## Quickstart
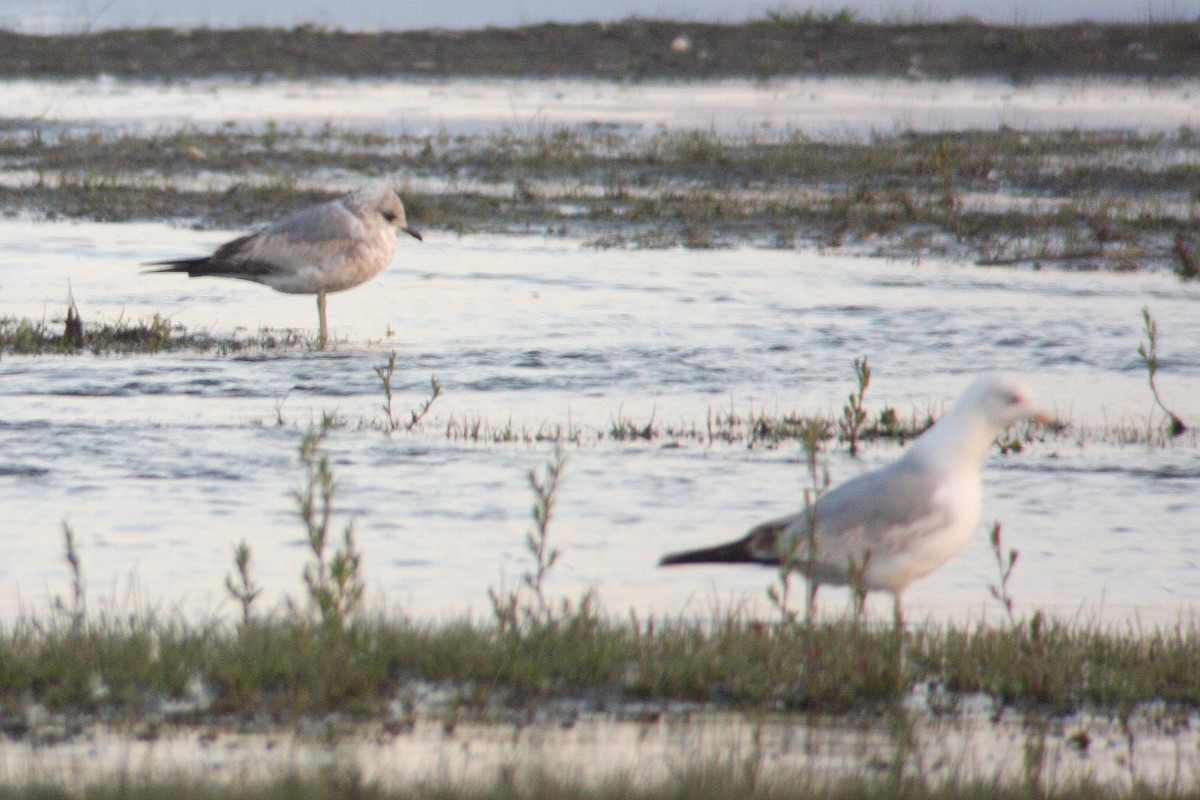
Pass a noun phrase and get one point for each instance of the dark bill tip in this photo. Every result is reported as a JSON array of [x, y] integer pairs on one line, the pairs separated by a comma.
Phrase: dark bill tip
[[413, 232]]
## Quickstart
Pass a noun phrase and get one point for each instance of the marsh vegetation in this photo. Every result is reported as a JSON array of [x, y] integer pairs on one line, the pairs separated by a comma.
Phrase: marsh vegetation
[[1073, 199], [341, 656], [328, 659]]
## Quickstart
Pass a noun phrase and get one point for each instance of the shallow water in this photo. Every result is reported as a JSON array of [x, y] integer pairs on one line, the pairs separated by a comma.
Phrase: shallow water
[[638, 749], [162, 463]]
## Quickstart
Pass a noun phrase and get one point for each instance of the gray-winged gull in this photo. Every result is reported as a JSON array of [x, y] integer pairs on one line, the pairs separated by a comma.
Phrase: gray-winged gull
[[900, 522], [324, 248]]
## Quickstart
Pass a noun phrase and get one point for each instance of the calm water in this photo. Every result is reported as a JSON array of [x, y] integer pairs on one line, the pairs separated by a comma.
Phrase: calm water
[[163, 463], [816, 107]]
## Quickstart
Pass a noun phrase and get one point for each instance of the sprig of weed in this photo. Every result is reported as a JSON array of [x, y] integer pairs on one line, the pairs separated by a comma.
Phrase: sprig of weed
[[528, 601], [854, 416], [392, 420], [335, 586], [1148, 350], [537, 541], [242, 587], [435, 391], [78, 610], [795, 552], [279, 401], [385, 376], [856, 578], [1005, 562], [818, 484]]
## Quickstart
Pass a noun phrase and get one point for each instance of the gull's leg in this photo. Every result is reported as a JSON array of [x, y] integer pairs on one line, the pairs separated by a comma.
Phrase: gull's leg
[[898, 619], [810, 608], [324, 335]]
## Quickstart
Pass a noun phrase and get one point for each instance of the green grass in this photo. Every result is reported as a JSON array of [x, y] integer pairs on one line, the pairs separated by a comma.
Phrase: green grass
[[721, 782], [288, 664], [70, 336]]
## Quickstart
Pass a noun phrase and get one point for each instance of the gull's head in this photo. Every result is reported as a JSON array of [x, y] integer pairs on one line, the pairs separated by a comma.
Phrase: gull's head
[[379, 198], [961, 439], [1000, 400]]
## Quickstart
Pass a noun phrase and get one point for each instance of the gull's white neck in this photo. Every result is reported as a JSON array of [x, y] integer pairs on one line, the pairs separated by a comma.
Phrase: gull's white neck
[[958, 441]]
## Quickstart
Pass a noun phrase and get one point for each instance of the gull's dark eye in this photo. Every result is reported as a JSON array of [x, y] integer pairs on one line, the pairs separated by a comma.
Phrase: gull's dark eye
[[1013, 399], [390, 216]]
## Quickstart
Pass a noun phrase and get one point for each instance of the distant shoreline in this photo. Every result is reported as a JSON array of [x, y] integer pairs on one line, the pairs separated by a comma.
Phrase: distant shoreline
[[635, 49]]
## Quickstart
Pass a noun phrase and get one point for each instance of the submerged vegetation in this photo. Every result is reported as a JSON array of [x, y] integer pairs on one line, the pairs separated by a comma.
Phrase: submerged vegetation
[[1070, 198]]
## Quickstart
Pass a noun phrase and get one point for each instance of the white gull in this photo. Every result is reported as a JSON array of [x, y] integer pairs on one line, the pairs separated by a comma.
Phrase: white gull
[[324, 248], [900, 522]]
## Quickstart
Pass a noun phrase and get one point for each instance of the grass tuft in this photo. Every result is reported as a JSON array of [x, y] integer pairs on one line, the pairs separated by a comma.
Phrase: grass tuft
[[71, 336]]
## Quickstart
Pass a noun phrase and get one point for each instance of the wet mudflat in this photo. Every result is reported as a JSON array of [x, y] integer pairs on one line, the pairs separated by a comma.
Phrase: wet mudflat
[[1051, 173], [636, 355], [717, 754]]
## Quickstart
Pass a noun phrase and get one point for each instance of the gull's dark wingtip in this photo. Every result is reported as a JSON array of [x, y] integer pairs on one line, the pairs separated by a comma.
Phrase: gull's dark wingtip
[[759, 546], [738, 552], [174, 265]]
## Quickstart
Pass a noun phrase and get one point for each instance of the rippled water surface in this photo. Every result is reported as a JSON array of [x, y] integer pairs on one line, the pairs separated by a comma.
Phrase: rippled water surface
[[163, 462]]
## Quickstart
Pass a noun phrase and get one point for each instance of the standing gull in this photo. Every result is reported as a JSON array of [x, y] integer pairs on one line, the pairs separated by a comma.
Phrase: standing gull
[[898, 523], [325, 248]]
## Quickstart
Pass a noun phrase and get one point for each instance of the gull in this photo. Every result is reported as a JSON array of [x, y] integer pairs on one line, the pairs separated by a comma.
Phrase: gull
[[324, 248], [885, 529]]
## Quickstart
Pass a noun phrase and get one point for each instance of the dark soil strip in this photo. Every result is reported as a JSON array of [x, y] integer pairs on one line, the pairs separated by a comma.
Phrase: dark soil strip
[[630, 50]]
